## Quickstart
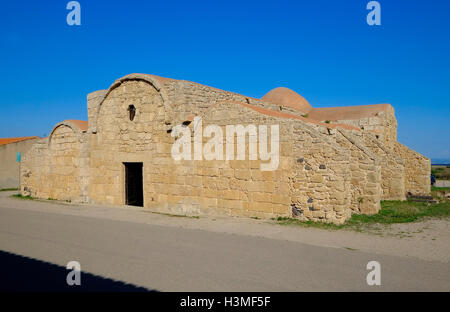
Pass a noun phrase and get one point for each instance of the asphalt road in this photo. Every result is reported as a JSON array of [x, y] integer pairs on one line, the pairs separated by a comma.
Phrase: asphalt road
[[123, 255]]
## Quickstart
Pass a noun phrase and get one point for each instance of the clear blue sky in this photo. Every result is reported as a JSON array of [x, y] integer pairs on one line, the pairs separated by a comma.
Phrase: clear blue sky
[[322, 49]]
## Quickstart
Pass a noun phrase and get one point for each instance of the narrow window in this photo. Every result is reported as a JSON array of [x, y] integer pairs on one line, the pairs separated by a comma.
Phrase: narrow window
[[132, 111]]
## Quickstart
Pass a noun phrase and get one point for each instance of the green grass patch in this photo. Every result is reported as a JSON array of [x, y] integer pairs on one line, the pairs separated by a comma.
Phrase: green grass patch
[[23, 197], [403, 212], [391, 212], [8, 189], [437, 189]]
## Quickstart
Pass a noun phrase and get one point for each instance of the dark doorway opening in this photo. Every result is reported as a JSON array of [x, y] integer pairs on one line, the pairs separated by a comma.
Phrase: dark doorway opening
[[134, 194]]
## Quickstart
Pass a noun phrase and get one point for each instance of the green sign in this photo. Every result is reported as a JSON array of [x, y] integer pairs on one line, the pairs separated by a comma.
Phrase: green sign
[[19, 156]]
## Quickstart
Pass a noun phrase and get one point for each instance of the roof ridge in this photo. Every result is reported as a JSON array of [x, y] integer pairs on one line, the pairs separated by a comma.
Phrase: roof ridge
[[4, 141]]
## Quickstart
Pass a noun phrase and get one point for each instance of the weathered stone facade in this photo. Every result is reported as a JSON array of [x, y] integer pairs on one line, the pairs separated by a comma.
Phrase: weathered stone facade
[[329, 168], [56, 167], [9, 166]]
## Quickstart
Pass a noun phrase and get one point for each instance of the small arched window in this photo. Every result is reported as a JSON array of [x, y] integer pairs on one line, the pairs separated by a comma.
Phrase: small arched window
[[131, 111]]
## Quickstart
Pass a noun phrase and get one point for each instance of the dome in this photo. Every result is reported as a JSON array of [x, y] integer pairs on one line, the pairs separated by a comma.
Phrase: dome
[[287, 98]]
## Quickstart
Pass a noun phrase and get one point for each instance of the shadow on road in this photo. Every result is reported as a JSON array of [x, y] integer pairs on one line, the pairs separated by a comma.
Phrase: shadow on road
[[19, 273]]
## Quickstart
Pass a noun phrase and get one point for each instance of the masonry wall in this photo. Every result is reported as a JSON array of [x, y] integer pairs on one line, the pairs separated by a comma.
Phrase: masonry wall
[[324, 173], [9, 167], [241, 187], [56, 167], [417, 170], [392, 177], [384, 124], [220, 187], [66, 161], [35, 171], [392, 168], [117, 140], [320, 187], [365, 174], [235, 187], [188, 97], [93, 103], [187, 187]]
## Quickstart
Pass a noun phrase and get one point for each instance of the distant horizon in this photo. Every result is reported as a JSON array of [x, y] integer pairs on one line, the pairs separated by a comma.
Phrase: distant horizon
[[437, 162]]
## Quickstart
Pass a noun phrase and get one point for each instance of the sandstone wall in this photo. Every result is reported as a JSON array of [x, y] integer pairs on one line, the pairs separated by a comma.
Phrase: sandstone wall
[[365, 174], [93, 104], [241, 186], [392, 168], [9, 167], [56, 167], [320, 178], [220, 187], [64, 150], [320, 188], [186, 97], [383, 123], [35, 171], [188, 187], [314, 189], [117, 140], [324, 173], [417, 170]]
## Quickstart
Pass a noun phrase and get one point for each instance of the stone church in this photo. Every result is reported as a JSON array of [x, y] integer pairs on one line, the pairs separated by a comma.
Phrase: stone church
[[333, 162]]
